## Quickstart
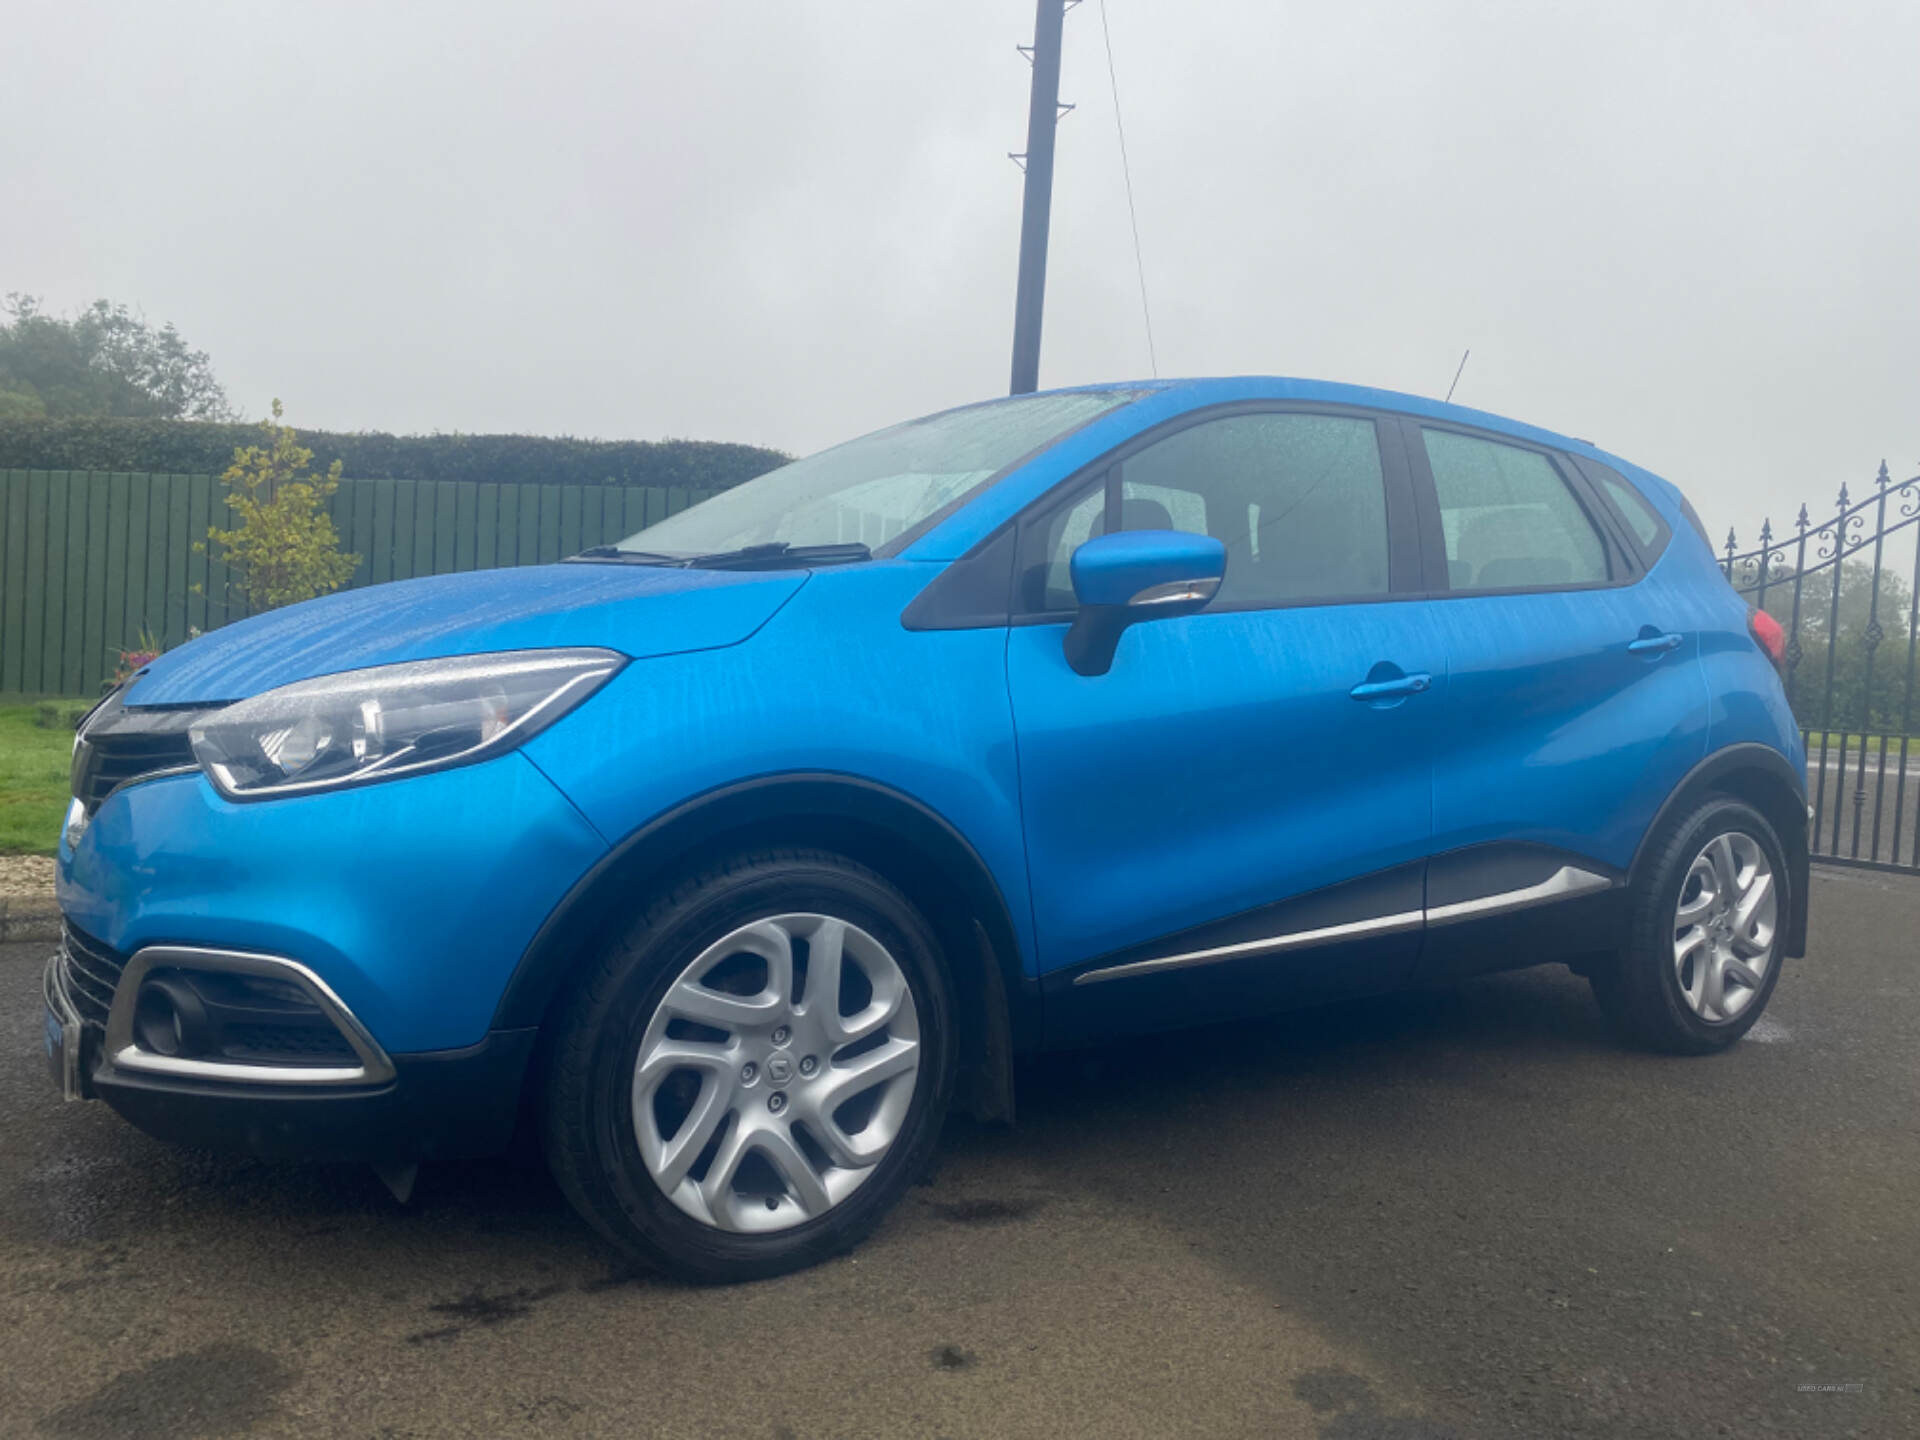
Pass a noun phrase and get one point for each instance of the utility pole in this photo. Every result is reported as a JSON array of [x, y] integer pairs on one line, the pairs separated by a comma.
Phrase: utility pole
[[1043, 114]]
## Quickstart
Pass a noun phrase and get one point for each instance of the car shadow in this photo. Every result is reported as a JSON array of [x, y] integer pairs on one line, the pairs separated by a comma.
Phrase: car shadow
[[110, 1182], [1544, 1015]]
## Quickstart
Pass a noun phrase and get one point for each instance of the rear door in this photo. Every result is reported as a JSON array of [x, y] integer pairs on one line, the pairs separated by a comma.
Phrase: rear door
[[1219, 824], [1575, 700]]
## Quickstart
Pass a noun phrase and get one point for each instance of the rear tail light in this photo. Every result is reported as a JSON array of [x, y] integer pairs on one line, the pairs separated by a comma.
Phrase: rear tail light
[[1771, 639]]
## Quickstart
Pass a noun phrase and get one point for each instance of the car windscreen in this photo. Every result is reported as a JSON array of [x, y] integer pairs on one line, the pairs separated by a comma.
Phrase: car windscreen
[[870, 490]]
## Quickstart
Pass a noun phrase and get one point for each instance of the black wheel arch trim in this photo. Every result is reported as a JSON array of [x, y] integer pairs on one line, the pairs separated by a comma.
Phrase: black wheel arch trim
[[1007, 1000], [1709, 775]]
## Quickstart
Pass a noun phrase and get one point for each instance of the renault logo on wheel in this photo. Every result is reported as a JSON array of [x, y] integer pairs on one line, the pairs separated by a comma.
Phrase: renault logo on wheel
[[780, 1069]]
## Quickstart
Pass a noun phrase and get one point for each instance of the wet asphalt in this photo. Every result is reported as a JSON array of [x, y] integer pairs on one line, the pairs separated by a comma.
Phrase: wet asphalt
[[1457, 1214]]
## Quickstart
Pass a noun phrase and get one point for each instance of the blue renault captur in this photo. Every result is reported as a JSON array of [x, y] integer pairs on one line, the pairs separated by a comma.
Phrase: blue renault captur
[[733, 855]]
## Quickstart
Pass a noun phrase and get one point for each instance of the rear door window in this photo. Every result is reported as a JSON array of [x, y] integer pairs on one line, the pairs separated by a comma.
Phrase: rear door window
[[1509, 519]]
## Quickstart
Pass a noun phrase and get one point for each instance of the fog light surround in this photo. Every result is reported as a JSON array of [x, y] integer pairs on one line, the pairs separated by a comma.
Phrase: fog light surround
[[162, 1024]]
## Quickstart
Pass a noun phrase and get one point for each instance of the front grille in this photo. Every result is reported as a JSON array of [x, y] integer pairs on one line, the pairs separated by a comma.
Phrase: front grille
[[287, 1044], [118, 746], [92, 972], [101, 765]]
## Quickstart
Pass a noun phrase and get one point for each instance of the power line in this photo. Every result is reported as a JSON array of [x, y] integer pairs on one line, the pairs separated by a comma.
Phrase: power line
[[1127, 172]]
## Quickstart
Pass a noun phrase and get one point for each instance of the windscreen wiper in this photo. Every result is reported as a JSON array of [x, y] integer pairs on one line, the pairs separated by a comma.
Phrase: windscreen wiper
[[630, 557], [778, 555], [770, 555]]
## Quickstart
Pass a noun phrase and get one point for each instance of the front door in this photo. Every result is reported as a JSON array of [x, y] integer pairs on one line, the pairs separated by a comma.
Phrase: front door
[[1237, 815]]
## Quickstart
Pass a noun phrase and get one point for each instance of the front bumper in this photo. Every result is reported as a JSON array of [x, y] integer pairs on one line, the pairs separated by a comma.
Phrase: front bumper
[[433, 1105], [442, 1105], [413, 901], [405, 905]]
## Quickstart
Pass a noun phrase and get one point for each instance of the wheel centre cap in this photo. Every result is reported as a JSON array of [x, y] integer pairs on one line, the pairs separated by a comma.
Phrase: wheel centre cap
[[779, 1068]]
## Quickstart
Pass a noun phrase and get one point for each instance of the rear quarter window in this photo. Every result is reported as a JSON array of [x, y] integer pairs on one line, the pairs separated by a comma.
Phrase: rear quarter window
[[1633, 507], [1640, 517]]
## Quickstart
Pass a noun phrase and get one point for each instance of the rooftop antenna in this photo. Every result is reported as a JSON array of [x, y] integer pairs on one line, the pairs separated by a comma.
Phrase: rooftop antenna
[[1456, 377]]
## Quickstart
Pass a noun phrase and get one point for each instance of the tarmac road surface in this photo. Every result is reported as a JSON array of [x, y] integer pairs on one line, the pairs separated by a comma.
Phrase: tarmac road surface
[[1459, 1214]]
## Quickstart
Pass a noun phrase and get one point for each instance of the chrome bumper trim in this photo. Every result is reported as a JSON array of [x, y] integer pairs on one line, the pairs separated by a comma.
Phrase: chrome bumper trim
[[53, 987], [375, 1068]]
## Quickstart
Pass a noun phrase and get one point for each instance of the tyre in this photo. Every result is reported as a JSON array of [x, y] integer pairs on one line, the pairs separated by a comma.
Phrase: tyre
[[746, 1081], [1704, 950]]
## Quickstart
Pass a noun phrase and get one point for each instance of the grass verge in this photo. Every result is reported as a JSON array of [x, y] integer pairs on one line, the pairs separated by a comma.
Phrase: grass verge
[[33, 781]]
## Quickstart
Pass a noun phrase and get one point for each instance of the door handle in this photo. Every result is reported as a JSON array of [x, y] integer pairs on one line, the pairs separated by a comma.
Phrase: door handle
[[1655, 644], [1394, 689]]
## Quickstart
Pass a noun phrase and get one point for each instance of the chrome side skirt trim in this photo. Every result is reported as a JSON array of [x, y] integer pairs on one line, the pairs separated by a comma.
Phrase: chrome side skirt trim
[[1272, 944], [375, 1068], [1564, 884]]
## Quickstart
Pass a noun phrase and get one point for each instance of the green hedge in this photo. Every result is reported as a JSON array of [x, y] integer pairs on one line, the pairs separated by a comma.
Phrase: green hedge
[[191, 447]]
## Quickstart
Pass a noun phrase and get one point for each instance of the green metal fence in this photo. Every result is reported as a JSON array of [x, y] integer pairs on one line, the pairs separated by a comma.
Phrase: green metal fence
[[89, 561]]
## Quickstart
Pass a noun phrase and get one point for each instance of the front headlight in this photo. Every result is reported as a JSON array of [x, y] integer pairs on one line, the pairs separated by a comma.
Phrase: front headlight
[[392, 720]]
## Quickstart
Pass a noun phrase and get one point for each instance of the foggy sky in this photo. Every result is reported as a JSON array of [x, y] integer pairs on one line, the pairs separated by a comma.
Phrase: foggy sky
[[1689, 232]]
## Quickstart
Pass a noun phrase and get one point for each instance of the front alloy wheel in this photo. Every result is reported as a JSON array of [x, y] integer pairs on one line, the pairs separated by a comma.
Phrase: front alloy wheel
[[776, 1072], [751, 1076]]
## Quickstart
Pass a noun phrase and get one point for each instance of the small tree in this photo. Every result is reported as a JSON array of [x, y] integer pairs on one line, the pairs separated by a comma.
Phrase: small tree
[[284, 548]]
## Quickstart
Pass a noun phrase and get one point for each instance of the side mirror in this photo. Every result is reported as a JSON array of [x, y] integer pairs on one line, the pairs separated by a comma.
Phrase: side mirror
[[1137, 575]]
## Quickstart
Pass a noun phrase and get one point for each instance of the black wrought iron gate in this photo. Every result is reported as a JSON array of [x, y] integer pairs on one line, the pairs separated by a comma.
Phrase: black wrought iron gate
[[1854, 706]]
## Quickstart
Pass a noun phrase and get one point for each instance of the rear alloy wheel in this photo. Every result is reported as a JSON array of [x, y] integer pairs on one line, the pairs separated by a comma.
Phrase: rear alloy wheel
[[1723, 927], [1704, 948], [750, 1078]]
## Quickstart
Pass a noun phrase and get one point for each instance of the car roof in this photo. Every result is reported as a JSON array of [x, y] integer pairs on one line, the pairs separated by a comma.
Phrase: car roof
[[1199, 391]]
